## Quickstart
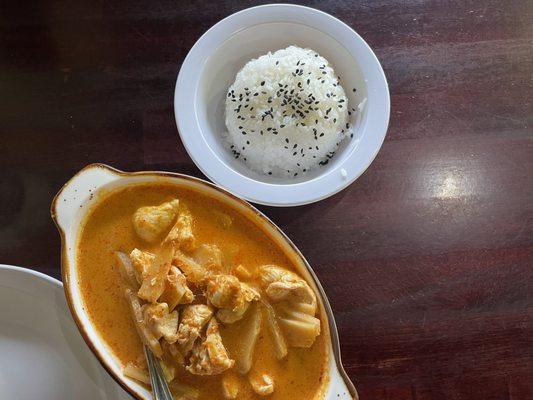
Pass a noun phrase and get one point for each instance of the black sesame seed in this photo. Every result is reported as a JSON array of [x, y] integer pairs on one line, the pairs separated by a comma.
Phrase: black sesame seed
[[263, 83]]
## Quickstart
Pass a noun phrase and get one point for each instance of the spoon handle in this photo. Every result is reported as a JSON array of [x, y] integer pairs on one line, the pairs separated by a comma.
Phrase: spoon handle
[[160, 388]]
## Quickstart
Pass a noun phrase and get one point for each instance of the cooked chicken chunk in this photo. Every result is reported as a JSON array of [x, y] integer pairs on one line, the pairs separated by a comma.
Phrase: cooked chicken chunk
[[194, 272], [154, 278], [194, 318], [152, 221], [161, 322], [281, 284], [210, 357], [181, 233], [231, 296], [209, 256], [262, 385], [141, 261], [295, 305], [230, 386], [147, 337], [176, 289]]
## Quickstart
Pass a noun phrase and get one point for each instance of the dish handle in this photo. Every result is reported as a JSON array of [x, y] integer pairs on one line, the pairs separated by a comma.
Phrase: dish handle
[[341, 387], [79, 192]]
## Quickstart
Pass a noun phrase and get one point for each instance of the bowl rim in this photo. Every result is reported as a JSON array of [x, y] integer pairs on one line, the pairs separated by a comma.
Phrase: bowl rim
[[96, 348], [315, 189]]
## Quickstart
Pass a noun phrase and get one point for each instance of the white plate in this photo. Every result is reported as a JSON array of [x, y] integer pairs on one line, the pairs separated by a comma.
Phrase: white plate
[[42, 355], [211, 66]]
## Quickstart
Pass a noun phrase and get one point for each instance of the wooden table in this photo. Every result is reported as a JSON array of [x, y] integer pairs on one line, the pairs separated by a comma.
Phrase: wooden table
[[427, 258]]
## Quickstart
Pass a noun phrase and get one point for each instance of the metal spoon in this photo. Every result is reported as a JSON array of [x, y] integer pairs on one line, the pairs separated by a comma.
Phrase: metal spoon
[[160, 388]]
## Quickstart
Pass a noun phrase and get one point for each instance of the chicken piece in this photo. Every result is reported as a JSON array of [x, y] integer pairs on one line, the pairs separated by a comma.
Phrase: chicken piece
[[181, 235], [145, 334], [162, 323], [262, 385], [194, 272], [230, 295], [151, 222], [154, 278], [248, 331], [141, 261], [295, 304], [210, 356], [137, 372], [230, 386], [127, 271], [194, 318], [280, 344], [209, 256], [281, 284], [176, 289]]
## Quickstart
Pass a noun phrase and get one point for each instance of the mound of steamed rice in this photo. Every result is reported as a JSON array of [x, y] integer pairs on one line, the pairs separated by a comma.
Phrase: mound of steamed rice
[[286, 112]]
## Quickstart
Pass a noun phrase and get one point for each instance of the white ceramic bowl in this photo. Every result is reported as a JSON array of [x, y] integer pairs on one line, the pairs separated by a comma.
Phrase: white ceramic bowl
[[43, 355], [75, 199], [211, 66]]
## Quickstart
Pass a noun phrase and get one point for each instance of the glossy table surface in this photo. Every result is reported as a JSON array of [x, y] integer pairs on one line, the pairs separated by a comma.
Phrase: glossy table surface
[[427, 258]]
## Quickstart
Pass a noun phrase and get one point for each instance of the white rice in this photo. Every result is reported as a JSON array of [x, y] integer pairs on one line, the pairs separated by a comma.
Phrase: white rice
[[286, 113]]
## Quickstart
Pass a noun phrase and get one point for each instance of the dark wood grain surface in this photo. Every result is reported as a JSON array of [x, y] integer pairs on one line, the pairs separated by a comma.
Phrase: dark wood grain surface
[[427, 258]]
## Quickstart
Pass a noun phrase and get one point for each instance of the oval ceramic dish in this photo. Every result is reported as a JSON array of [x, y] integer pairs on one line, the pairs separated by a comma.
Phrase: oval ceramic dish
[[76, 198]]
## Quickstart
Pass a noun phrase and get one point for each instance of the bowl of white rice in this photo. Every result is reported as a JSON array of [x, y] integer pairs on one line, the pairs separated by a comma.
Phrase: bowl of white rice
[[282, 105]]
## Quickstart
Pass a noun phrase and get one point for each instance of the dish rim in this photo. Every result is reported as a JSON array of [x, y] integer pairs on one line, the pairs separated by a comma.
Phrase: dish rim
[[315, 189]]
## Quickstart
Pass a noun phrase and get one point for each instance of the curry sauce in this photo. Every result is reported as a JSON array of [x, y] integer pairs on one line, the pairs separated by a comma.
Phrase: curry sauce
[[302, 374]]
